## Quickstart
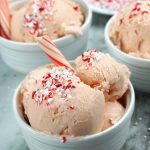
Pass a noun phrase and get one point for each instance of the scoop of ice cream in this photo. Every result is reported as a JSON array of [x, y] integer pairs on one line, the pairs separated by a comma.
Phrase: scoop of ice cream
[[130, 29], [57, 102], [113, 113], [101, 71], [56, 18]]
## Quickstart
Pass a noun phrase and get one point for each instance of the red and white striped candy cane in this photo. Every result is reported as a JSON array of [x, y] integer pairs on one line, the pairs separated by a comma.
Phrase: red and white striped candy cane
[[4, 19], [52, 52]]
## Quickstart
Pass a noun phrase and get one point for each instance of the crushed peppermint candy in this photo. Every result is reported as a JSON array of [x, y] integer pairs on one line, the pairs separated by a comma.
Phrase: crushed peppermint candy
[[145, 136], [64, 139], [112, 122], [56, 82], [71, 108], [90, 56], [109, 5], [41, 9], [75, 7], [140, 8], [104, 86]]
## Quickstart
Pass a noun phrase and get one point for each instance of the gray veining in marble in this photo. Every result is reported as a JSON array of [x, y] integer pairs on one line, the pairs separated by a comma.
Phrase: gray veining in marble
[[10, 135]]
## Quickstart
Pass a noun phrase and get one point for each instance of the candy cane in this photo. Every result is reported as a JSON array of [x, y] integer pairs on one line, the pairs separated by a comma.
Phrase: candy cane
[[4, 19], [52, 52]]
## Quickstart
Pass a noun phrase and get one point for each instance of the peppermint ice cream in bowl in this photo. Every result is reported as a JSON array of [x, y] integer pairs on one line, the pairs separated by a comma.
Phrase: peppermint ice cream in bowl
[[127, 38], [66, 22], [57, 109]]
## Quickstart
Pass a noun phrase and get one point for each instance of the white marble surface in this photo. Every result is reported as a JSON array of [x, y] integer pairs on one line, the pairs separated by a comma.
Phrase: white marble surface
[[10, 135]]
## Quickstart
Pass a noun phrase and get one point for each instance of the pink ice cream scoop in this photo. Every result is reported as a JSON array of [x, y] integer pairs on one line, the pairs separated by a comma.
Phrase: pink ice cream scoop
[[56, 102], [113, 113], [130, 29], [104, 73], [55, 18]]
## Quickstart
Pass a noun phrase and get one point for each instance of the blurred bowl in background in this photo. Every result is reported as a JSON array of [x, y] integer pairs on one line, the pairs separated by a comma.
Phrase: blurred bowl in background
[[139, 67]]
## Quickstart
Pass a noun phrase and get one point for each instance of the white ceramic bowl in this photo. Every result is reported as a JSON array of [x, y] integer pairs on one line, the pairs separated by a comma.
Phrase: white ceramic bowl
[[24, 57], [110, 139], [139, 67]]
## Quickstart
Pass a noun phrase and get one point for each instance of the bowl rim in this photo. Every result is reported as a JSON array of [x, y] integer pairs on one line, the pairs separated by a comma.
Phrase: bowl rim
[[87, 15], [22, 123], [119, 51]]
